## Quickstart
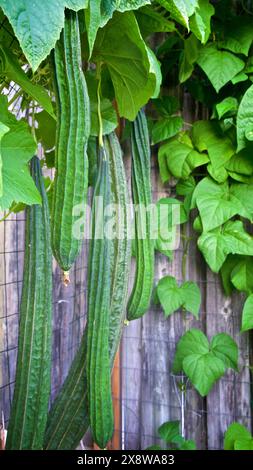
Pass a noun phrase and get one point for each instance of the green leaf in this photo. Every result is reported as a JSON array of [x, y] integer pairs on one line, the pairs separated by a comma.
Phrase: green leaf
[[192, 342], [241, 163], [169, 431], [244, 118], [155, 71], [128, 63], [188, 445], [219, 66], [17, 148], [180, 10], [109, 6], [3, 130], [247, 314], [241, 275], [218, 174], [38, 24], [204, 364], [218, 243], [203, 371], [93, 19], [46, 130], [10, 67], [235, 432], [228, 106], [170, 213], [238, 35], [246, 444], [181, 158], [188, 58], [166, 105], [206, 135], [226, 349], [215, 203], [172, 296], [151, 21], [163, 168], [244, 194], [186, 188], [239, 77], [108, 113], [166, 128], [226, 270], [200, 21]]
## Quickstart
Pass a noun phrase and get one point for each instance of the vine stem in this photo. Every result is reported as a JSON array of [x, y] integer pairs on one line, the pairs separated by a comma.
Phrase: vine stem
[[100, 122]]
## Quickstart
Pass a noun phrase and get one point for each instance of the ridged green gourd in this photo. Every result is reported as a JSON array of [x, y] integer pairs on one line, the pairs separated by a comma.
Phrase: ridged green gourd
[[72, 133], [144, 244], [32, 386], [68, 419]]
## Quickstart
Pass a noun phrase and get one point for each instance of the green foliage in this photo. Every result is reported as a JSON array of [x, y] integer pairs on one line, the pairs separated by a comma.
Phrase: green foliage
[[245, 119], [247, 314], [218, 243], [219, 66], [237, 437], [173, 297], [17, 148], [170, 433], [203, 362], [37, 24], [126, 58], [108, 113]]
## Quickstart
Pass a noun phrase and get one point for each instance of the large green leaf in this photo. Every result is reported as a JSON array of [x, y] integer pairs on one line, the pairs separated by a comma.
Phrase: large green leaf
[[226, 270], [166, 128], [237, 35], [224, 347], [181, 158], [206, 135], [235, 432], [151, 21], [247, 314], [108, 113], [216, 203], [188, 57], [204, 364], [180, 10], [173, 297], [37, 24], [241, 275], [228, 106], [200, 21], [17, 148], [128, 62], [170, 213], [244, 123], [218, 243], [9, 66], [3, 130], [169, 431], [99, 12], [219, 66], [241, 163]]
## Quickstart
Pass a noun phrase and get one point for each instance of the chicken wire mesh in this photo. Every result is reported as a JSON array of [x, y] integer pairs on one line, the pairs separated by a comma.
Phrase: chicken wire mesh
[[146, 392]]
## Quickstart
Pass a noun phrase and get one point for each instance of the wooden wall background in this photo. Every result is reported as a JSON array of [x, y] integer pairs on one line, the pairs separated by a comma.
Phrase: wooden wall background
[[148, 393]]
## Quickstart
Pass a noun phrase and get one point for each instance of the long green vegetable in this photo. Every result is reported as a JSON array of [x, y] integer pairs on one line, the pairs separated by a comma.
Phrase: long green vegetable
[[73, 128], [141, 185], [32, 387], [68, 418]]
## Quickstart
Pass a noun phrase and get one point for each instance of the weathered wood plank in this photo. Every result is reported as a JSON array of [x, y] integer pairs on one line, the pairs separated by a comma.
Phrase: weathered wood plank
[[229, 399]]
